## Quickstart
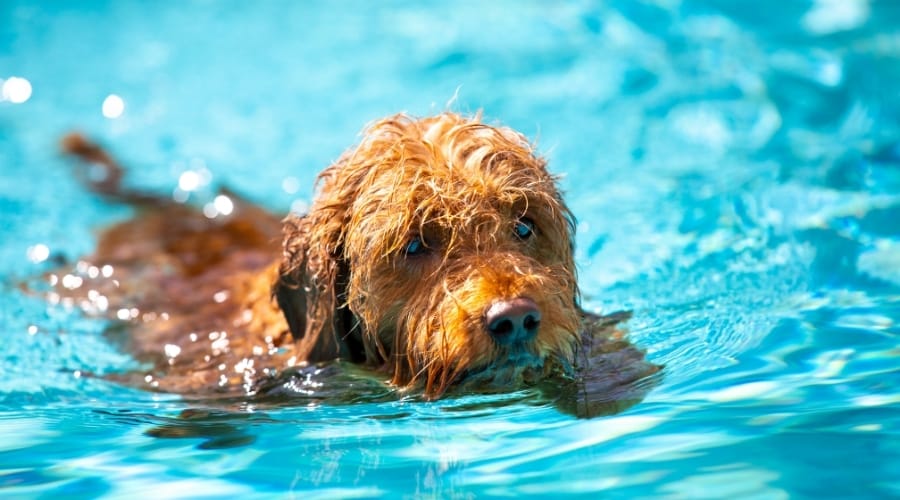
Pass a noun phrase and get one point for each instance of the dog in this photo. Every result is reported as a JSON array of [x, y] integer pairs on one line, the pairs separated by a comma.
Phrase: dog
[[438, 253]]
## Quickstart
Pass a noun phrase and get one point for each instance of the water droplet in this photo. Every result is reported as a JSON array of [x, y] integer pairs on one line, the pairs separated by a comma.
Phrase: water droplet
[[172, 350]]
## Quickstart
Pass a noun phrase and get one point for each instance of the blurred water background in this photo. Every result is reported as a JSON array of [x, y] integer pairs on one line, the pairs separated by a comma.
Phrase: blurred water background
[[734, 167]]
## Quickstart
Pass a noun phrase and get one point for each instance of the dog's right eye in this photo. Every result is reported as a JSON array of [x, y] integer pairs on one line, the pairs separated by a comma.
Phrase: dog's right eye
[[524, 228], [414, 247]]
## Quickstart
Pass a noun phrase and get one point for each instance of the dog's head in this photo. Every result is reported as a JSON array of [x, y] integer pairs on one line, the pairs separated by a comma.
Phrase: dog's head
[[440, 249]]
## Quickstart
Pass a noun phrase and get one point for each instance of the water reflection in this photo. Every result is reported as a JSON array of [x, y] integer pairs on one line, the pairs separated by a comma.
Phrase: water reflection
[[38, 253], [831, 16], [744, 142], [113, 106], [15, 89]]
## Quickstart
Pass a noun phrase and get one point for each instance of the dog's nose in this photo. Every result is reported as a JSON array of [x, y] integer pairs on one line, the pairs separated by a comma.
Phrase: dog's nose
[[512, 321]]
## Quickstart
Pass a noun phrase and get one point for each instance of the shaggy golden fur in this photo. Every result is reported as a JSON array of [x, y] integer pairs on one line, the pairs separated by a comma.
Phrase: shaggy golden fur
[[414, 241]]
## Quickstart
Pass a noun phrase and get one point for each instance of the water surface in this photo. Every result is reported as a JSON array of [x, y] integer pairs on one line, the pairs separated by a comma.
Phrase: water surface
[[734, 167]]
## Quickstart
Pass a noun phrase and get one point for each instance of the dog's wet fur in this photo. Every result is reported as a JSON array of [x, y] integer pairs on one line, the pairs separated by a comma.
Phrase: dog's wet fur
[[437, 254]]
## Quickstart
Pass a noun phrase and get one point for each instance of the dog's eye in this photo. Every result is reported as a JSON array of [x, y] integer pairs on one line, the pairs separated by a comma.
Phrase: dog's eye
[[414, 247], [524, 228]]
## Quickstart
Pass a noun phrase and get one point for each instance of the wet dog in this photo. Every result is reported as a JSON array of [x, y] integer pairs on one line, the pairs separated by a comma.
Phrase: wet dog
[[438, 251]]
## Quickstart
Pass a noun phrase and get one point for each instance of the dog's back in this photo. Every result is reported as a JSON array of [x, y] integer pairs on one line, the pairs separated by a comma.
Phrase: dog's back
[[188, 289]]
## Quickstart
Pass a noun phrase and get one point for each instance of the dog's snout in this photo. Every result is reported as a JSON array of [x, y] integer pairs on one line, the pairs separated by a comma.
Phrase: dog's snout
[[513, 321]]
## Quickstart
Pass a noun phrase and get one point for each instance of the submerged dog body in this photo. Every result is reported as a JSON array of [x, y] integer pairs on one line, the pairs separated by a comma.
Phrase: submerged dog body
[[438, 250]]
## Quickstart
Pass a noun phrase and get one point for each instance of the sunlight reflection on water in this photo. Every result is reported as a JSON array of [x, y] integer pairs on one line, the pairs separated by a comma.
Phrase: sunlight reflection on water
[[734, 170]]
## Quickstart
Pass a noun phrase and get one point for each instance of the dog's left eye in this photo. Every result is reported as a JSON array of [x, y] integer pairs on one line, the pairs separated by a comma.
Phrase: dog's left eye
[[414, 247], [524, 228]]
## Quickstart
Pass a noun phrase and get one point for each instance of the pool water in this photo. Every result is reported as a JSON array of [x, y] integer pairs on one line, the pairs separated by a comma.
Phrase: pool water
[[734, 167]]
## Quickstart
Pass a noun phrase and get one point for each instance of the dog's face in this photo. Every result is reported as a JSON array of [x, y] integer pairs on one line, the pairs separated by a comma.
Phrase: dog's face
[[449, 246]]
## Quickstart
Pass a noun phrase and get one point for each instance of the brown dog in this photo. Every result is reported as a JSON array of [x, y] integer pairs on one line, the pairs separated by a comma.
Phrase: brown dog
[[438, 251]]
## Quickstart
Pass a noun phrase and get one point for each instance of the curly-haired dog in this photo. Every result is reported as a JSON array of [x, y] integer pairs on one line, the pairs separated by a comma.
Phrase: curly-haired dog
[[438, 251]]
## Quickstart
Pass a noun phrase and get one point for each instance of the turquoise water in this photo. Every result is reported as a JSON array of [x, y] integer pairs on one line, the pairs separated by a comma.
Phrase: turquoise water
[[734, 166]]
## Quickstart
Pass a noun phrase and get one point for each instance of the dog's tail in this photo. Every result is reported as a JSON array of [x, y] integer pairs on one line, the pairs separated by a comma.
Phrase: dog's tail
[[102, 174]]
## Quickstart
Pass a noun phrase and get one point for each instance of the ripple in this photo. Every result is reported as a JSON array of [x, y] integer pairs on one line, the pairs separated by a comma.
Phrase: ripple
[[734, 169]]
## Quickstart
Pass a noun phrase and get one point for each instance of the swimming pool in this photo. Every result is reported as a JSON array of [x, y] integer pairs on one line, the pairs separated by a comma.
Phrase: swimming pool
[[734, 166]]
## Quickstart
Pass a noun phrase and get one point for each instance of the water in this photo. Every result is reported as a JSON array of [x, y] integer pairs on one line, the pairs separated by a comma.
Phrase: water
[[735, 168]]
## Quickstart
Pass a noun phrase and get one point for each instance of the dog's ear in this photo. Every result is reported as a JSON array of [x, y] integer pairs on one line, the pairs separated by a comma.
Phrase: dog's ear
[[310, 289], [314, 275]]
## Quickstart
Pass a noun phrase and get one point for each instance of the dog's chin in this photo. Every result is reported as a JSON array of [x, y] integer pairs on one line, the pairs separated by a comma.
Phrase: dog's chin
[[512, 371]]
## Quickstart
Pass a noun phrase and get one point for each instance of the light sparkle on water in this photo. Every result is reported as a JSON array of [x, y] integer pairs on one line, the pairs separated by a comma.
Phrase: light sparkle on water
[[113, 106], [38, 253], [15, 89]]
